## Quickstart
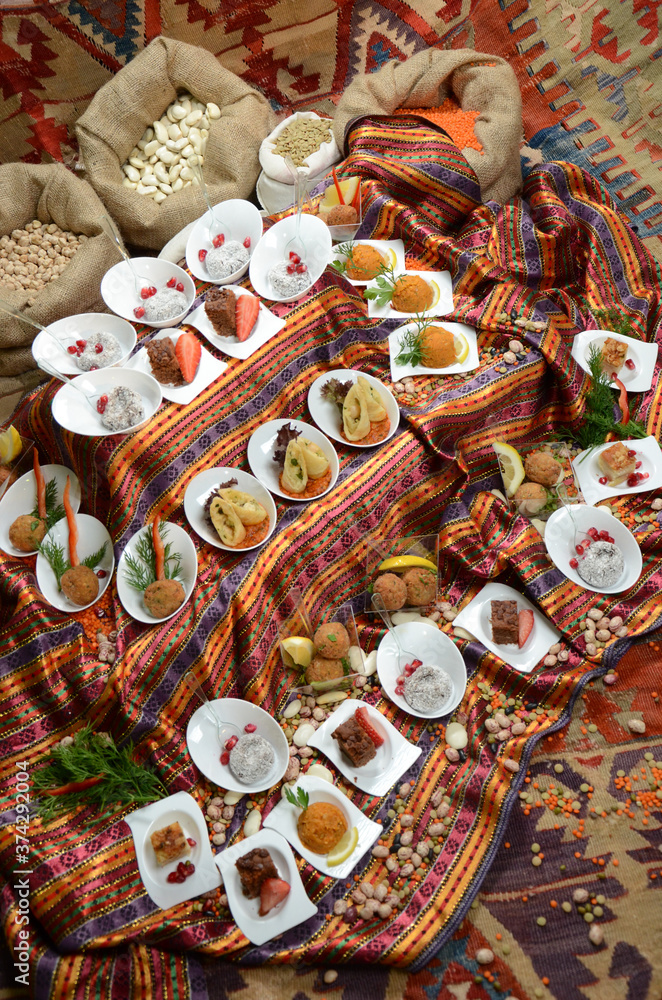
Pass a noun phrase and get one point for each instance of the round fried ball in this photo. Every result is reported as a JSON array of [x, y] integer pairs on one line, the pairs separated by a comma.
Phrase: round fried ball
[[323, 669], [164, 597], [411, 294], [332, 640], [531, 491], [26, 532], [421, 586], [80, 585], [342, 215], [541, 468], [392, 590]]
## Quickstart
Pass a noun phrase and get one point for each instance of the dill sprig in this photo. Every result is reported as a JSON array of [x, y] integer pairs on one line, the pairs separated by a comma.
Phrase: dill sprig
[[618, 322], [141, 569], [345, 250], [54, 553], [411, 346], [54, 510], [91, 754], [385, 282], [95, 558], [300, 800], [599, 412]]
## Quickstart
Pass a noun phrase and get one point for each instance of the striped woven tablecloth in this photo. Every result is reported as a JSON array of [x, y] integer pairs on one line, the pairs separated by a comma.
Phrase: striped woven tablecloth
[[552, 255]]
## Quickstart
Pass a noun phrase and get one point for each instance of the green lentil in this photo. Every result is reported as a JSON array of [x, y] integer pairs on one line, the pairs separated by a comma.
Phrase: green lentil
[[598, 911], [584, 787], [506, 949], [581, 909], [562, 868], [589, 918], [538, 992], [558, 768], [602, 876], [601, 900], [475, 904], [566, 907], [593, 728], [541, 921], [620, 774], [391, 814], [576, 804], [648, 756], [437, 849], [535, 848], [536, 861]]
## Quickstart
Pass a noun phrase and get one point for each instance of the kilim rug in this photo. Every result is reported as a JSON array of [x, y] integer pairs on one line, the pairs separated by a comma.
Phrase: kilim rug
[[545, 257]]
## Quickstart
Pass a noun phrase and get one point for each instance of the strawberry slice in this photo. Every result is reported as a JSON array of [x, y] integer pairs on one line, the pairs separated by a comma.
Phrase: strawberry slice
[[363, 719], [188, 353], [525, 626], [246, 313], [272, 892]]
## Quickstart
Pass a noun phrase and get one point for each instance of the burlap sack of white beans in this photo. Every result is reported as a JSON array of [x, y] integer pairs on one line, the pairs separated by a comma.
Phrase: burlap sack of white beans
[[49, 193], [140, 93], [476, 80]]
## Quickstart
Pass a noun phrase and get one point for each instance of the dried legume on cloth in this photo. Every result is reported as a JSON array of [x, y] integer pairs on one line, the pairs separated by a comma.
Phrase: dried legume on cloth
[[545, 257], [49, 195]]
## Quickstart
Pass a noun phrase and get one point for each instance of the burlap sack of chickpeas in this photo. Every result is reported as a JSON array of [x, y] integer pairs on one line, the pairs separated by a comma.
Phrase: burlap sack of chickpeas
[[52, 195], [477, 81], [140, 93]]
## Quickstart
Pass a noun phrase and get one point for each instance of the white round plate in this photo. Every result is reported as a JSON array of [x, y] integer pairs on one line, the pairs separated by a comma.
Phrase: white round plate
[[559, 539], [21, 498], [205, 749], [118, 288], [261, 456], [79, 327], [327, 415], [198, 491], [430, 646], [91, 536], [75, 414], [239, 219], [270, 250], [131, 599]]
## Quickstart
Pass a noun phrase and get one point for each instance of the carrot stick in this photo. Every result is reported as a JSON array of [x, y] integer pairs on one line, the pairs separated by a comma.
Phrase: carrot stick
[[338, 188], [159, 551], [41, 485], [73, 786], [73, 527], [622, 399]]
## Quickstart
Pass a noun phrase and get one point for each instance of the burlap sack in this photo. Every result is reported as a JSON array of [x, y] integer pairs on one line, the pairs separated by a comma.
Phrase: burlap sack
[[50, 193], [478, 81], [139, 94]]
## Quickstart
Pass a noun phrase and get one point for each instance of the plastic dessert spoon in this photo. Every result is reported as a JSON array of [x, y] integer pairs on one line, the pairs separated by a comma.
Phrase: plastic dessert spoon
[[295, 245], [108, 227], [580, 537], [224, 729], [405, 656], [91, 398], [215, 228], [17, 314]]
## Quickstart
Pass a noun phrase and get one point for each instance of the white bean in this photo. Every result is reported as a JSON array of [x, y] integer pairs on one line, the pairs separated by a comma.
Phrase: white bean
[[186, 174], [193, 117], [137, 162], [178, 112], [162, 173], [174, 132], [181, 143], [172, 145], [159, 197], [253, 821], [149, 180], [166, 155], [174, 172], [125, 183], [151, 147], [165, 188], [204, 122], [187, 151], [213, 111], [160, 131], [131, 172], [178, 184], [184, 128], [141, 189]]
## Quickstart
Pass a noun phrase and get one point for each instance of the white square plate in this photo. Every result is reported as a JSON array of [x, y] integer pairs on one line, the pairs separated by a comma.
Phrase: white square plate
[[644, 355], [294, 909], [442, 280], [391, 760], [266, 327], [181, 808], [394, 248], [208, 371], [398, 372], [476, 619], [284, 816], [588, 471]]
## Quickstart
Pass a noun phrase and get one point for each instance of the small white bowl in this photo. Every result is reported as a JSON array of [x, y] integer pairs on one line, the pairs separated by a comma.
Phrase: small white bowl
[[327, 415], [79, 327], [239, 219], [118, 289], [560, 542], [270, 250], [204, 483], [93, 534], [132, 600], [261, 456], [72, 412]]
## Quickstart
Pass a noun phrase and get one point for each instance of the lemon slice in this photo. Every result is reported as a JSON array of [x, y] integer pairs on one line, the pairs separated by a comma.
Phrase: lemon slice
[[461, 348], [297, 650], [436, 294], [390, 253], [405, 562], [345, 846], [512, 469], [10, 444]]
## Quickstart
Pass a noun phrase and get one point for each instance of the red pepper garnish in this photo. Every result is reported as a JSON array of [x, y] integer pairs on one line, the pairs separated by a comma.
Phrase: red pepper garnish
[[73, 786], [622, 399], [338, 188]]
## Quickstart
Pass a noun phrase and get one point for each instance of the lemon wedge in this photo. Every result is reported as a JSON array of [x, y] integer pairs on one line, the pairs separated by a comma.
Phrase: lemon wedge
[[436, 294], [405, 562], [345, 846], [512, 469], [297, 651], [10, 444], [390, 252], [461, 348]]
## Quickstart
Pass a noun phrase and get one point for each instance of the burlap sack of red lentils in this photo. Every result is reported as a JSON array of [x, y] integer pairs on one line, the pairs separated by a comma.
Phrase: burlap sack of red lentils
[[140, 93], [477, 81], [47, 193]]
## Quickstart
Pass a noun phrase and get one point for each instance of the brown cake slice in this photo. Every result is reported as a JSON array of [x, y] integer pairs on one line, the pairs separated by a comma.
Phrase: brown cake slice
[[354, 742], [220, 306], [164, 363], [254, 868], [505, 622]]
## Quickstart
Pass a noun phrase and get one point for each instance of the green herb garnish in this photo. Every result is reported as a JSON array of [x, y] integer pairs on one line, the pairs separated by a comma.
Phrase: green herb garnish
[[54, 510], [599, 410], [53, 552], [385, 282], [141, 569], [617, 322], [345, 249], [411, 348], [300, 800]]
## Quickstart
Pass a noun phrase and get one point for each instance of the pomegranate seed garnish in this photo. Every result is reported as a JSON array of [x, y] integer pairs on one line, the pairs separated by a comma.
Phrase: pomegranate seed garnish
[[630, 364], [151, 290], [291, 268], [191, 868], [631, 453], [604, 535], [101, 573], [101, 404], [603, 480], [610, 539], [416, 664], [191, 842], [139, 312], [145, 293], [232, 742], [79, 351], [72, 350], [574, 563], [301, 268], [633, 480], [579, 549], [247, 242], [250, 727], [225, 757], [202, 254], [219, 240], [81, 343], [294, 257], [587, 542], [172, 877], [171, 283], [180, 286], [643, 475], [98, 348], [594, 533], [181, 877], [180, 867], [638, 465], [94, 368]]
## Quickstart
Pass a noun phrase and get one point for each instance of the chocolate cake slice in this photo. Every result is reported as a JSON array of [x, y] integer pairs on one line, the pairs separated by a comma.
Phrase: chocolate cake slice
[[254, 868], [505, 622], [220, 306], [164, 363], [354, 742]]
